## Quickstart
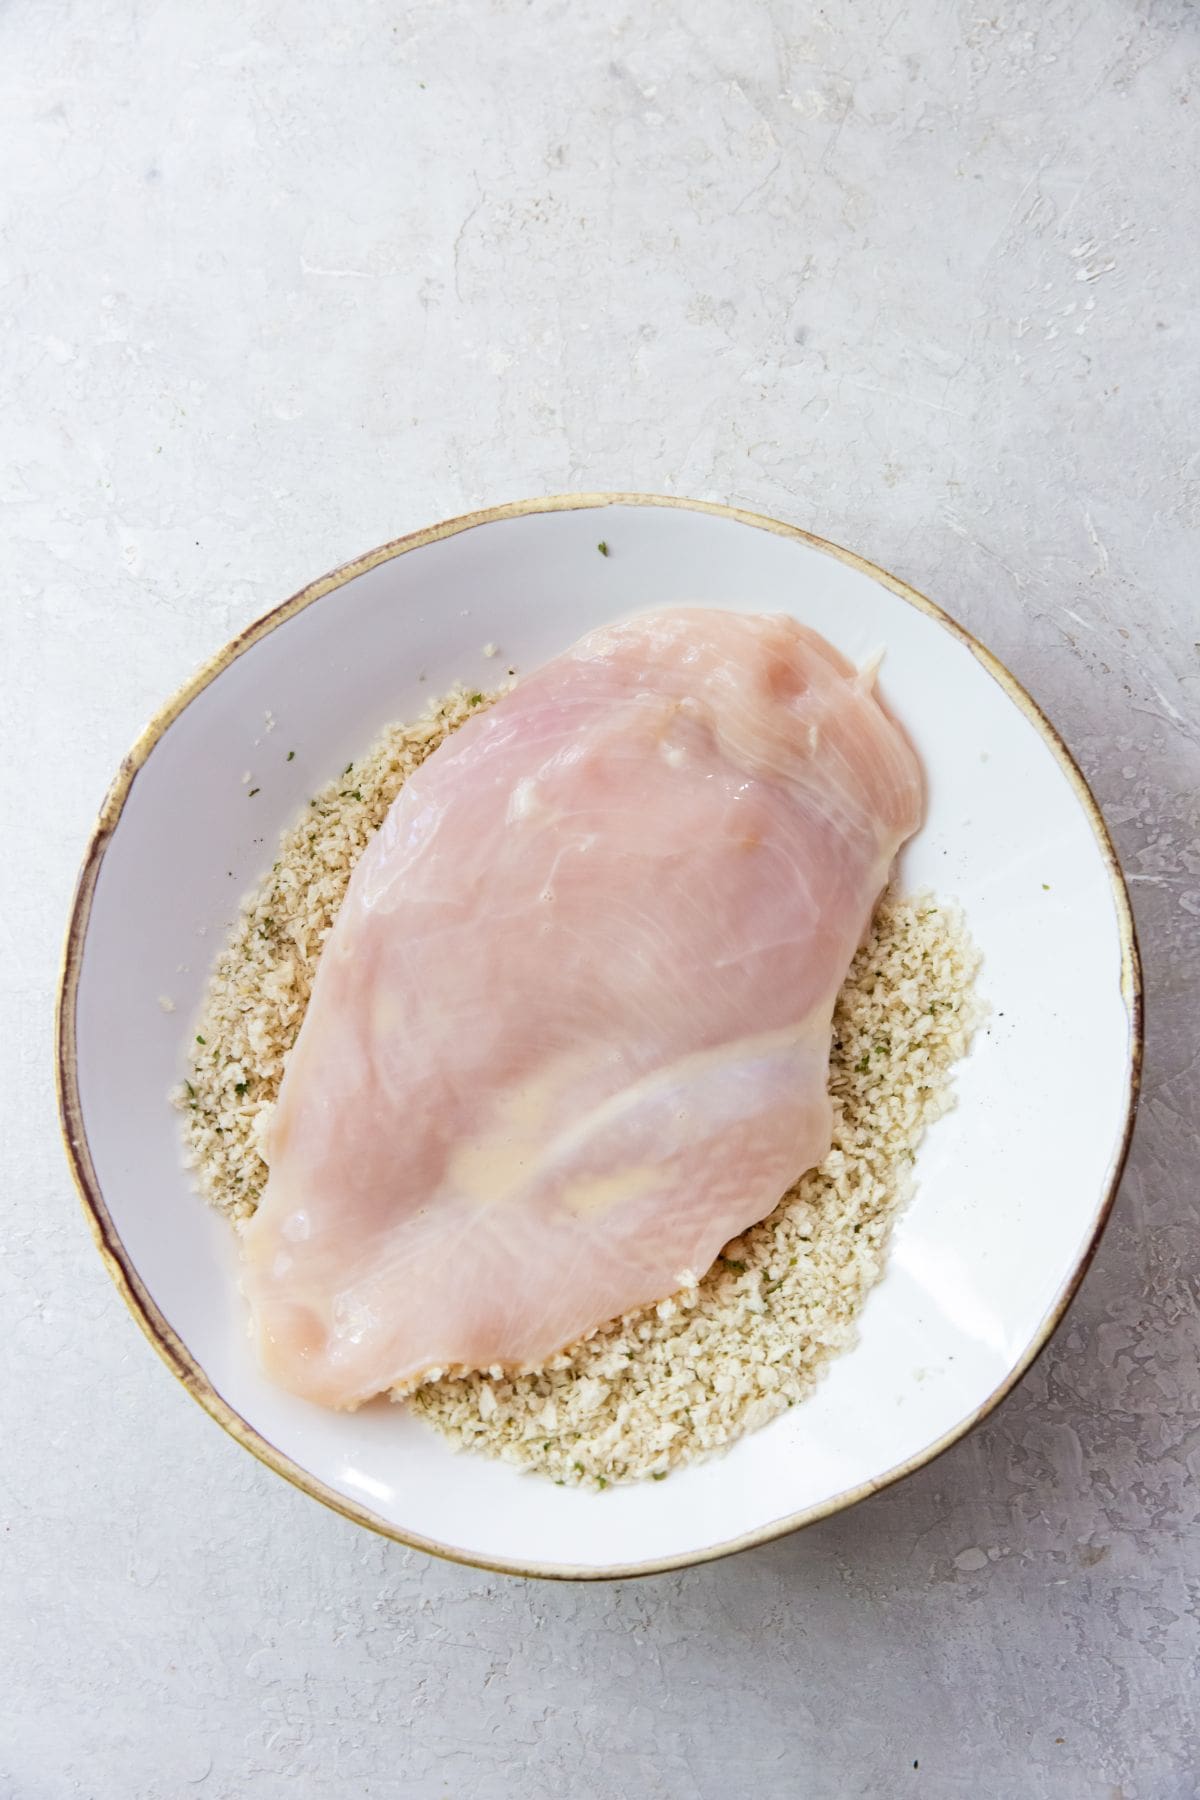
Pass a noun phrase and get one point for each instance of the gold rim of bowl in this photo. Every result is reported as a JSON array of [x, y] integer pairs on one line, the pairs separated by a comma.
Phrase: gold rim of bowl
[[134, 1292]]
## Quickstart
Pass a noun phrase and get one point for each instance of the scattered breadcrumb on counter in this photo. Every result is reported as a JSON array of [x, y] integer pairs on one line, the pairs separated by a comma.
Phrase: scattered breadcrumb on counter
[[685, 1376]]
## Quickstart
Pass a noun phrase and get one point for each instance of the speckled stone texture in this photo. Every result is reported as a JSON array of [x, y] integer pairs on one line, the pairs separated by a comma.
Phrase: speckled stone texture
[[280, 281]]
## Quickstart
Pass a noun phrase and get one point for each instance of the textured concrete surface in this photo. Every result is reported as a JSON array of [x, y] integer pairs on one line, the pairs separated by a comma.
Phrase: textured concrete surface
[[279, 281]]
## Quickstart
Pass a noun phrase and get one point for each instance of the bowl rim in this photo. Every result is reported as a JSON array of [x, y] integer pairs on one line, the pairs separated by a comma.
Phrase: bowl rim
[[137, 1297]]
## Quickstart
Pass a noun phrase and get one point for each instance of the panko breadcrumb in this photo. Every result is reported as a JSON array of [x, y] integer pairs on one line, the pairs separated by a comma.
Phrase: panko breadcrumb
[[264, 975], [683, 1377]]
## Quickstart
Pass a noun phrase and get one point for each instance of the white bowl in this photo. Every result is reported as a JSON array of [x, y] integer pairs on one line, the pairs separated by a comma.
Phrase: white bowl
[[1013, 1186]]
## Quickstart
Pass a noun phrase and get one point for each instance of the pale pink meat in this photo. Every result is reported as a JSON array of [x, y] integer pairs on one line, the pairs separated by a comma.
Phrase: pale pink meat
[[570, 1033]]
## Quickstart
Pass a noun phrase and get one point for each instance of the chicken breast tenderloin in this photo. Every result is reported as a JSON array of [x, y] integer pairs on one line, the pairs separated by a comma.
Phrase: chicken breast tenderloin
[[570, 1032]]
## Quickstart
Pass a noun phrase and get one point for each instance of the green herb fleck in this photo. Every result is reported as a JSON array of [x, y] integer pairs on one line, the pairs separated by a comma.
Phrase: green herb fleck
[[863, 1063], [771, 1287], [347, 769], [658, 1474], [200, 1040], [1045, 887], [601, 1482], [291, 756], [731, 1262], [474, 699], [191, 1090], [239, 1088], [602, 547], [252, 793]]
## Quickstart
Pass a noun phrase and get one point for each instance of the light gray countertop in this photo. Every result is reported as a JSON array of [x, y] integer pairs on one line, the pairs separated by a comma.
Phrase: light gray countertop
[[281, 281]]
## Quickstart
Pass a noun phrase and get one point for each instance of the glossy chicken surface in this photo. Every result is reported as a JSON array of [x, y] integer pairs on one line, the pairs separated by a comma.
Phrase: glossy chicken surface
[[570, 1033]]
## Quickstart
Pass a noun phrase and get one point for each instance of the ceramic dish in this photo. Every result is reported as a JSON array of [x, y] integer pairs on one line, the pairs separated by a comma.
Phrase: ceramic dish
[[1013, 1186]]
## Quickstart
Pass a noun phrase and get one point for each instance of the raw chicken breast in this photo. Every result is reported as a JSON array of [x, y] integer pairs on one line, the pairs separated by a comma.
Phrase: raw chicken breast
[[570, 1033]]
